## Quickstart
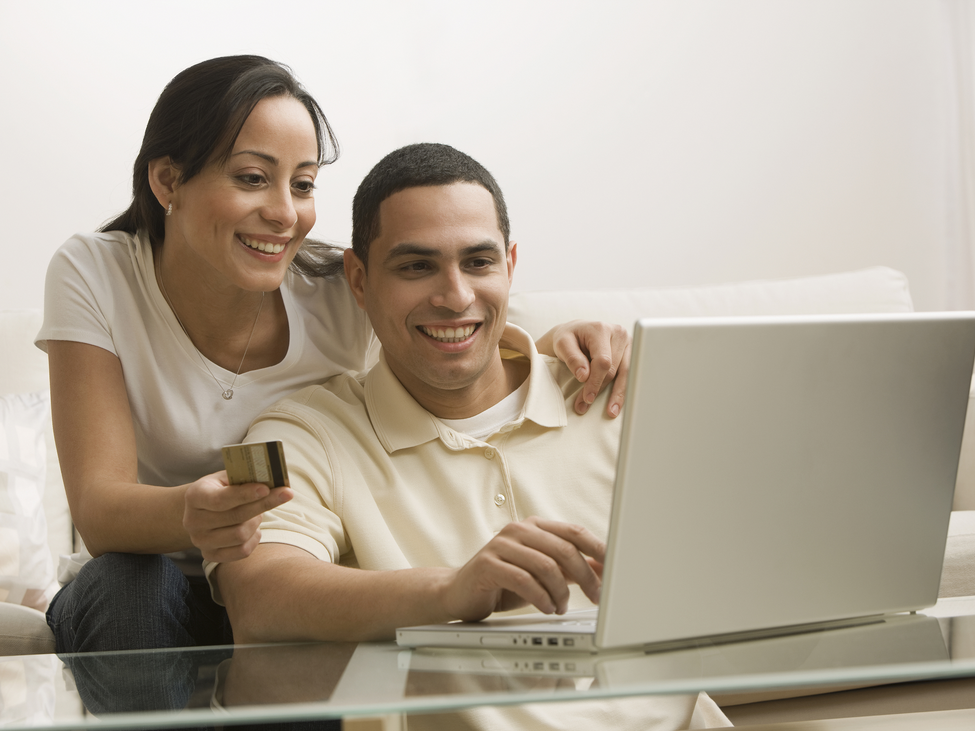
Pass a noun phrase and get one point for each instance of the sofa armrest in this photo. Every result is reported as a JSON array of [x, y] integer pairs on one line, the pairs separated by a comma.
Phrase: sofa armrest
[[24, 631]]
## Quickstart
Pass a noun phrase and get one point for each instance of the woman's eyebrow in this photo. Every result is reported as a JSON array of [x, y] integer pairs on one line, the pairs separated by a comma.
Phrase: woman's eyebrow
[[272, 159]]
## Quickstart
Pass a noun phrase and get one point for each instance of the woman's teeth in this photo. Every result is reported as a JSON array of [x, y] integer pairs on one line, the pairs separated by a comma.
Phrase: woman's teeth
[[264, 246], [449, 334]]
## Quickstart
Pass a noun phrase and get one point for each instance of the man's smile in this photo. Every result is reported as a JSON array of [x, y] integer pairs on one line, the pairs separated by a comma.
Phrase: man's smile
[[449, 334]]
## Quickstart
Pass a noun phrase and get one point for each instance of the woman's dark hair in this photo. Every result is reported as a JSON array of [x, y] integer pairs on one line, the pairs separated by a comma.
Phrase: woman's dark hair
[[196, 122]]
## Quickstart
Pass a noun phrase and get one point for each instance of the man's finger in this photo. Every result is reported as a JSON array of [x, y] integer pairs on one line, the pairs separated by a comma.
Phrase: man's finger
[[587, 542], [534, 574], [557, 556]]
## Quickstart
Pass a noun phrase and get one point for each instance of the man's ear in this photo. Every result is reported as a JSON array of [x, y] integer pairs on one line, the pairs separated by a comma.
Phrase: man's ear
[[512, 257], [355, 275], [163, 180]]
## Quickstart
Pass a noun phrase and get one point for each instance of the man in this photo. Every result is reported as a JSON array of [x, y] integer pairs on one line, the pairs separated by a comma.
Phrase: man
[[454, 479]]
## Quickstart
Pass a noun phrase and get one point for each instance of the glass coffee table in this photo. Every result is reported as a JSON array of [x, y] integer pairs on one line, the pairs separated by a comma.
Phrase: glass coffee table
[[261, 684]]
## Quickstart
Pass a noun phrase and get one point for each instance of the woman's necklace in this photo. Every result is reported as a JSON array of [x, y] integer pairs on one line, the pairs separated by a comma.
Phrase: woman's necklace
[[227, 393]]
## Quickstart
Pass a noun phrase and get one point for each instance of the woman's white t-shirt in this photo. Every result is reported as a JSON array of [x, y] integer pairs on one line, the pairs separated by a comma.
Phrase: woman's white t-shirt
[[101, 289]]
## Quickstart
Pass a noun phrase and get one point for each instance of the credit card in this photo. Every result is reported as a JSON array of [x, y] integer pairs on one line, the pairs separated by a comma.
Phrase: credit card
[[257, 462]]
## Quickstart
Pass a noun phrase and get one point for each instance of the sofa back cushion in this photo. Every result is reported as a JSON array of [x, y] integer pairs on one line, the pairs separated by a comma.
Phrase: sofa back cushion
[[877, 289]]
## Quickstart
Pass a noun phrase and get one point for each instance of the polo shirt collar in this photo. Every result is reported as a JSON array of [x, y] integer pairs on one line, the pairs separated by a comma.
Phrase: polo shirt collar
[[401, 423]]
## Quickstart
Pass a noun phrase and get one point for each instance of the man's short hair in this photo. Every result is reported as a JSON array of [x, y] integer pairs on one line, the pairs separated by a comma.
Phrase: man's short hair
[[416, 166]]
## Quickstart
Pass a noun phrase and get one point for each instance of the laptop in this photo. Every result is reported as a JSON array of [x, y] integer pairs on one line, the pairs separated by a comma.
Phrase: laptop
[[776, 475], [893, 640]]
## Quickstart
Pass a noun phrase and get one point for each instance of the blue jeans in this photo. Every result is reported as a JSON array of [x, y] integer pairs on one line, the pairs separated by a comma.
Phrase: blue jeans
[[124, 601]]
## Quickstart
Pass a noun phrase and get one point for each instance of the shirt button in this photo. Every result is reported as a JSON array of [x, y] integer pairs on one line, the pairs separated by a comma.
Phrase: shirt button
[[499, 500], [489, 453]]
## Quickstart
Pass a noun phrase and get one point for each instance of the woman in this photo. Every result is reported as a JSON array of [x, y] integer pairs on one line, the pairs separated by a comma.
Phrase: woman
[[172, 328]]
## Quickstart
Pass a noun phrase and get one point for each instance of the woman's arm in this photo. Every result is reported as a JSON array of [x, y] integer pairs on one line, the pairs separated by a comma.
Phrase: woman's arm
[[96, 445], [96, 449], [597, 353]]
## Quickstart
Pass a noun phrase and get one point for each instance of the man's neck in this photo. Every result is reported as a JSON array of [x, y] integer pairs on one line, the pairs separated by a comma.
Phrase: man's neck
[[502, 380]]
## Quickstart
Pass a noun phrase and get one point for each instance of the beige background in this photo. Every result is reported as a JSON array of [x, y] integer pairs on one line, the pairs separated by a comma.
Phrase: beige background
[[639, 143]]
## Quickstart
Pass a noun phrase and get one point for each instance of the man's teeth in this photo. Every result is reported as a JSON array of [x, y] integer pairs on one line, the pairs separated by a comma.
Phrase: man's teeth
[[264, 246], [449, 334]]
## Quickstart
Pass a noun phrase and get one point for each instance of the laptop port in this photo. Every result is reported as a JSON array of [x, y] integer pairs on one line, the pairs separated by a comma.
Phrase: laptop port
[[553, 640], [536, 640]]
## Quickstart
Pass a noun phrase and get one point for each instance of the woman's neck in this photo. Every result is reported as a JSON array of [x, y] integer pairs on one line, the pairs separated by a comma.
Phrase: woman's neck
[[225, 323]]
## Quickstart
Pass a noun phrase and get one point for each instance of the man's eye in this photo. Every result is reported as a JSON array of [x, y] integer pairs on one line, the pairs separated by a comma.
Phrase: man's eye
[[415, 267], [481, 263]]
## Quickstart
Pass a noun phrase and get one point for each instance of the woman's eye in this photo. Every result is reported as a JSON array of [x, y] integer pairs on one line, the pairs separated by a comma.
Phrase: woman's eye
[[304, 186], [252, 179]]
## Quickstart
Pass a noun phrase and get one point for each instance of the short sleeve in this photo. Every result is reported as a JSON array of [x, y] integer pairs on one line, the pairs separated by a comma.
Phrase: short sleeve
[[78, 300], [307, 521]]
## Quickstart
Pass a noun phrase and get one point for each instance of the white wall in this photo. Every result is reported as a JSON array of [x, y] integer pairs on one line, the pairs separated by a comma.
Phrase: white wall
[[638, 143]]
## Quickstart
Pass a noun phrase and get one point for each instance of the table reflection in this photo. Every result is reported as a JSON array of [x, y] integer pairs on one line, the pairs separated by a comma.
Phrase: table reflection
[[210, 678], [128, 682], [226, 685], [269, 674]]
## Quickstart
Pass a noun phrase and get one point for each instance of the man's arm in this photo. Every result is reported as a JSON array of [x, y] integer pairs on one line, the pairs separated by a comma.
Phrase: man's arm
[[283, 593]]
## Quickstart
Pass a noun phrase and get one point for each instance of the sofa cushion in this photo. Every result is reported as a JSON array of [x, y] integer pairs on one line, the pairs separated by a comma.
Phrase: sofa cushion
[[26, 565]]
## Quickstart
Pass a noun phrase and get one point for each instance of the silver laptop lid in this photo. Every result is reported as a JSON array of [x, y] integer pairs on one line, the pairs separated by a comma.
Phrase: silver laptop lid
[[782, 471]]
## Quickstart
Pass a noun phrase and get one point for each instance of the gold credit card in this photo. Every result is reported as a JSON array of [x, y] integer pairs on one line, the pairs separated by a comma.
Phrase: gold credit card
[[257, 462]]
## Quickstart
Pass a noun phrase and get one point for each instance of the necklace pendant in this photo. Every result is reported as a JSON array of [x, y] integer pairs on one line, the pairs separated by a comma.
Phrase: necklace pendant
[[228, 394]]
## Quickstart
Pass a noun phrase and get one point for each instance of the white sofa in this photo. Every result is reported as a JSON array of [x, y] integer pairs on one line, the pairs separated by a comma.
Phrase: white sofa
[[23, 369]]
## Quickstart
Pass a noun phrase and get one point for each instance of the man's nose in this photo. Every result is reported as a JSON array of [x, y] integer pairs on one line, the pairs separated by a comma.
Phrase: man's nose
[[454, 291]]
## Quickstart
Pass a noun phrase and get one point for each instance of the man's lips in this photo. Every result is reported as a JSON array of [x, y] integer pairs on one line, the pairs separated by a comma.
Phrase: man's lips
[[449, 334]]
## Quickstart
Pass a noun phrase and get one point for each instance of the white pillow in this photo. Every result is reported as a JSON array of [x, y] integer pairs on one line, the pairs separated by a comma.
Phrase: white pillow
[[26, 567]]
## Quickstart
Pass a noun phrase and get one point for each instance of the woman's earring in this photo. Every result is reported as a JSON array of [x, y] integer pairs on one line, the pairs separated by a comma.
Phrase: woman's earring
[[169, 211]]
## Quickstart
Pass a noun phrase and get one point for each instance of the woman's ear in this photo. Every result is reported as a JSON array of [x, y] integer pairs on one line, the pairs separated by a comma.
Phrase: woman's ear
[[163, 179]]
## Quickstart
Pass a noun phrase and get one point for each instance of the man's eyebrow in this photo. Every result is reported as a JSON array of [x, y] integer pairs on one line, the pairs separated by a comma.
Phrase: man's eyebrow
[[272, 159], [411, 249]]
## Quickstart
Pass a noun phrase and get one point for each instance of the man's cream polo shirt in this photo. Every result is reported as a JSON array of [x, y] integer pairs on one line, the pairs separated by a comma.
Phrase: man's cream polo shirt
[[380, 483]]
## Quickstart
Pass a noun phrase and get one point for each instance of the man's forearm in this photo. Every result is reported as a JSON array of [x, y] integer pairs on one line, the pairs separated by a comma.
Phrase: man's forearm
[[281, 593]]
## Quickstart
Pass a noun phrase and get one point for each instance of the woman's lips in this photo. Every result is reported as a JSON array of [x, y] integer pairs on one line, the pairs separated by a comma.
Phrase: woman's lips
[[268, 247]]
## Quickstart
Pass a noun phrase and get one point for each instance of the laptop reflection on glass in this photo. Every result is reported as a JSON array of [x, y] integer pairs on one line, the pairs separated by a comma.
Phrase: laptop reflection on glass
[[775, 475]]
